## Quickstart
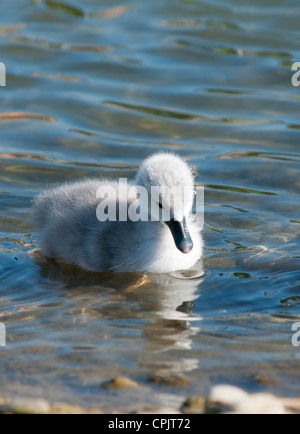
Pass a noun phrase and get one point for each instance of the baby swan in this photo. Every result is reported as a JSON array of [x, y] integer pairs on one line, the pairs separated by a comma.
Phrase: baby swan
[[83, 223]]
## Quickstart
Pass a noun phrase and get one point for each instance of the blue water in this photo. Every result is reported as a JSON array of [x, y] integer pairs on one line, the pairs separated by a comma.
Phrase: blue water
[[91, 91]]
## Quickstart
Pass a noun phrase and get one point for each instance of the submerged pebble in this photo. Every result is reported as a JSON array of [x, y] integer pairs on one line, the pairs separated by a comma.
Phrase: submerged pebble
[[159, 410], [121, 383], [194, 405], [171, 380]]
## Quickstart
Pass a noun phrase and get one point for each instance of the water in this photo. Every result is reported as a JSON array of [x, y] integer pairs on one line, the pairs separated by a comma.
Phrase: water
[[91, 91]]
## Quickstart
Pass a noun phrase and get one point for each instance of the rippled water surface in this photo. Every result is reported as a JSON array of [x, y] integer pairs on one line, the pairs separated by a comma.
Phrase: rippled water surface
[[92, 89]]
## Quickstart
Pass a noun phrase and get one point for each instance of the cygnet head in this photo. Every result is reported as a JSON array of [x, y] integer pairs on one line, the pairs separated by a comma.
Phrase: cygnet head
[[170, 185]]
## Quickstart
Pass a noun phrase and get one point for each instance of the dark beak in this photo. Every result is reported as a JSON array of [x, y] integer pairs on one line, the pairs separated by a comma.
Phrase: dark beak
[[181, 235]]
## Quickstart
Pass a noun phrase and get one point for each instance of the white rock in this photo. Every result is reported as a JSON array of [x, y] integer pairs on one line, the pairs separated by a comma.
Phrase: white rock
[[29, 405], [260, 403], [225, 395], [231, 399]]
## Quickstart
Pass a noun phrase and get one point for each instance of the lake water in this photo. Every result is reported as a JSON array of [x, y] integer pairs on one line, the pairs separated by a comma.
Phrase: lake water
[[93, 89]]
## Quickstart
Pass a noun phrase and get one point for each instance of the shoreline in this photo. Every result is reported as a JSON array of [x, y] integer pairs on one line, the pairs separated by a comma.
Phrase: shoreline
[[222, 399]]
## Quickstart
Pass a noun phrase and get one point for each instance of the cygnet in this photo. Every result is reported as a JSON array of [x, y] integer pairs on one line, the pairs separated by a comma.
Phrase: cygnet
[[144, 225]]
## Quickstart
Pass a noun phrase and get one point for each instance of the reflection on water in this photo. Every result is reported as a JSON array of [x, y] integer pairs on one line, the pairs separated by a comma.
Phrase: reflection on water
[[94, 88], [160, 306], [77, 324]]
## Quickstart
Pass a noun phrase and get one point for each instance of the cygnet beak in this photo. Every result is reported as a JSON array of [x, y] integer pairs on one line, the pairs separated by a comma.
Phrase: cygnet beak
[[181, 235]]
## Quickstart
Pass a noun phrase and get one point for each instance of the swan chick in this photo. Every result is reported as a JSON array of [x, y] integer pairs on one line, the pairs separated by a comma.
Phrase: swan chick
[[166, 239]]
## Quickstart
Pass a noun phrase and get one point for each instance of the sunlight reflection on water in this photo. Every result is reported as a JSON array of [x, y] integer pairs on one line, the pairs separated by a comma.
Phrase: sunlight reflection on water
[[91, 91]]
